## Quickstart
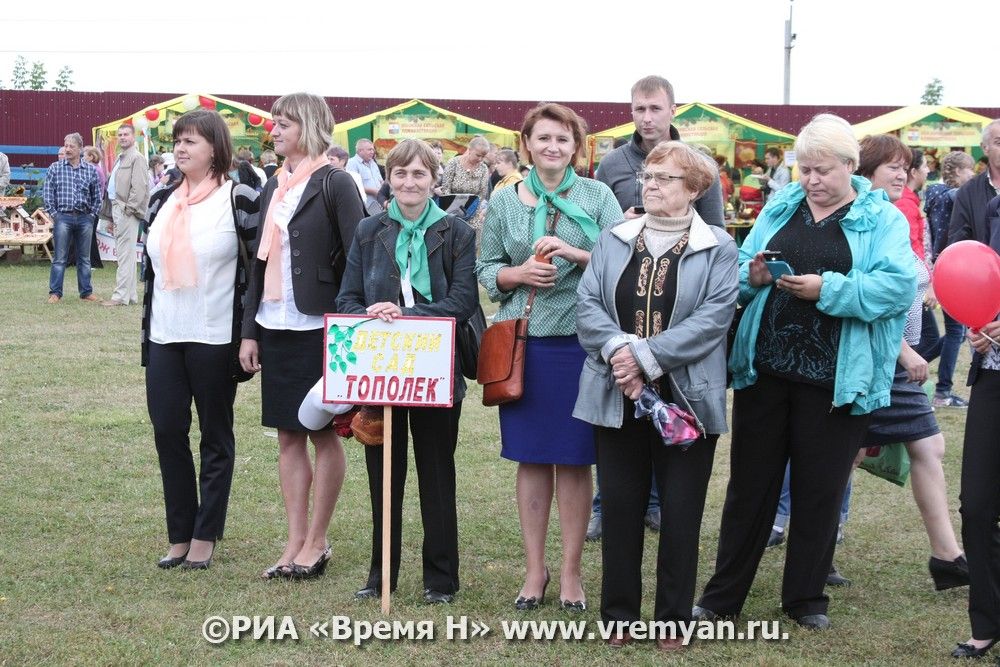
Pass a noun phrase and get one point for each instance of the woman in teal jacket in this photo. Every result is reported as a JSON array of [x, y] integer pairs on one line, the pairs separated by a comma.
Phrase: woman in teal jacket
[[814, 354]]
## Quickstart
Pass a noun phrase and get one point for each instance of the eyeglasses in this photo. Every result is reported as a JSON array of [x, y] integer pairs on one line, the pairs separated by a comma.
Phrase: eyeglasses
[[662, 178]]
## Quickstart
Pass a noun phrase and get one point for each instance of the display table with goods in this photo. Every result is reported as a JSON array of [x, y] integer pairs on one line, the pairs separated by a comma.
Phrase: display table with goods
[[18, 228]]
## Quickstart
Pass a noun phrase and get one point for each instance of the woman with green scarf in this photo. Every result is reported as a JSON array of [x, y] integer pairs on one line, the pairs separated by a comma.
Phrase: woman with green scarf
[[414, 259], [537, 239]]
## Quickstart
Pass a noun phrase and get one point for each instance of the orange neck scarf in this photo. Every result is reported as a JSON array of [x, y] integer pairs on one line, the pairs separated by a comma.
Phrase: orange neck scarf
[[270, 240], [179, 269]]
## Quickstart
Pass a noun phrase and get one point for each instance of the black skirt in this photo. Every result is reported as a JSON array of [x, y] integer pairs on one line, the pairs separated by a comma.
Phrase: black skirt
[[907, 418], [291, 363]]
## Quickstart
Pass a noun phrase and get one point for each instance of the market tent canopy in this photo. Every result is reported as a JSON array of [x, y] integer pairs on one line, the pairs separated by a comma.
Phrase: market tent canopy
[[417, 119], [929, 126], [739, 139], [154, 124]]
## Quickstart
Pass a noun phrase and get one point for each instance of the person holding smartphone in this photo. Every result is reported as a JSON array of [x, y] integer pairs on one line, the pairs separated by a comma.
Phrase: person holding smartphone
[[813, 356]]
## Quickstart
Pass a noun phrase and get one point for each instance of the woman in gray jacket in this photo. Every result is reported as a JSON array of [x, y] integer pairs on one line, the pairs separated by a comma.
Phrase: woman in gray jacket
[[654, 307]]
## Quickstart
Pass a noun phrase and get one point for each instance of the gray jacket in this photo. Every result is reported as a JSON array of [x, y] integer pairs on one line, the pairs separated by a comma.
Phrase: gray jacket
[[620, 170], [691, 351]]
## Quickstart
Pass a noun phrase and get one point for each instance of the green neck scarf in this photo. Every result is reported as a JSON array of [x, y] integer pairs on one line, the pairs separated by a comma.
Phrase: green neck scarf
[[410, 245], [548, 199]]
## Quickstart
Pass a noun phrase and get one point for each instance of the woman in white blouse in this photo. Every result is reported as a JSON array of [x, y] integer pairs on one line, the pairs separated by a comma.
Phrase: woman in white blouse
[[192, 307], [309, 212]]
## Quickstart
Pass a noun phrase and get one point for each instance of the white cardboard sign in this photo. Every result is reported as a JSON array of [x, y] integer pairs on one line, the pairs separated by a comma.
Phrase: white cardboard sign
[[408, 362]]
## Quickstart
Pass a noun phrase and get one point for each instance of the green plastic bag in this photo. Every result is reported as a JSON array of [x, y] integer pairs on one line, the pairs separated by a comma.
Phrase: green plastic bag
[[890, 462]]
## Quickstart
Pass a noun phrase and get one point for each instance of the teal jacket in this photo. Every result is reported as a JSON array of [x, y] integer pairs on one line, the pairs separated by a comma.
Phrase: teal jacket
[[872, 298]]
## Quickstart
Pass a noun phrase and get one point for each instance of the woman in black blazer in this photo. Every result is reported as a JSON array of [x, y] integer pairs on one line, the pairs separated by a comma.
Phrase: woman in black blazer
[[309, 212]]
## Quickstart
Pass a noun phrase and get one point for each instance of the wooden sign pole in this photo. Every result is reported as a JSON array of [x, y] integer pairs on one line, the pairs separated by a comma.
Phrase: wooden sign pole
[[386, 506]]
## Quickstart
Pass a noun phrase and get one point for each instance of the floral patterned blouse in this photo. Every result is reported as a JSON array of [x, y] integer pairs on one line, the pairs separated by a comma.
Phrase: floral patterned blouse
[[458, 180]]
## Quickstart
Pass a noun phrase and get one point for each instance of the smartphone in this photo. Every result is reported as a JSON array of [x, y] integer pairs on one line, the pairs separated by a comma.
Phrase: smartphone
[[771, 255], [779, 268], [639, 209]]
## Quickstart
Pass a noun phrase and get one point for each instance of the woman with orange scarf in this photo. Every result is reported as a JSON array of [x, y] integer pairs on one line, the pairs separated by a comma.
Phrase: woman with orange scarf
[[310, 212], [191, 320]]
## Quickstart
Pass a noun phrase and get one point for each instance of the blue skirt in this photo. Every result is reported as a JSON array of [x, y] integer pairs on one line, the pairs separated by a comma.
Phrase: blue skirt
[[540, 427]]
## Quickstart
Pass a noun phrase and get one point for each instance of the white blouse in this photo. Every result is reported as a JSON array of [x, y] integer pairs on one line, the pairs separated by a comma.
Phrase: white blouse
[[283, 314], [203, 313]]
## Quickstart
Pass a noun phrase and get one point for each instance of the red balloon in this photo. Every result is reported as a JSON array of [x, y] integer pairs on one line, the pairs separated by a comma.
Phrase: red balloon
[[152, 114], [268, 125], [967, 282], [206, 102], [254, 119]]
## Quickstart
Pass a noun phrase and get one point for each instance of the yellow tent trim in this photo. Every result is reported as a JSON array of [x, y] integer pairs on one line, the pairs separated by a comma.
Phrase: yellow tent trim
[[176, 101], [628, 129], [900, 118], [372, 117]]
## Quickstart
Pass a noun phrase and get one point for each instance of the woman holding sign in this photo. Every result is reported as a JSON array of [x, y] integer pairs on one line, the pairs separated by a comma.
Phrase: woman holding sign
[[415, 260], [311, 211], [537, 238]]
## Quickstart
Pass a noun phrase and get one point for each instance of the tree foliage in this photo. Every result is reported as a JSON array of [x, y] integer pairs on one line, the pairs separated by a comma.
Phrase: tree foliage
[[933, 92], [19, 77], [64, 79]]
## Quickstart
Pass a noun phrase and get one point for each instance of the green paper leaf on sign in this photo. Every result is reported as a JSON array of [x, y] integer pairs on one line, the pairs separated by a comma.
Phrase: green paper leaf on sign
[[343, 367], [352, 357]]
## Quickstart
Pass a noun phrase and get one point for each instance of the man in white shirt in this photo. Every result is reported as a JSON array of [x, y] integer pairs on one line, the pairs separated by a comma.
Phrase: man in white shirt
[[777, 175], [363, 164]]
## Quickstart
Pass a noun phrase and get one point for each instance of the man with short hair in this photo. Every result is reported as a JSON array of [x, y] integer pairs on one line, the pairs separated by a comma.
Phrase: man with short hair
[[128, 197], [72, 196], [777, 175], [653, 110], [653, 114], [363, 164]]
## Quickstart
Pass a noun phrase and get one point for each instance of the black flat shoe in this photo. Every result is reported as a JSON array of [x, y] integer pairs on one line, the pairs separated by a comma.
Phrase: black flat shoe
[[814, 621], [948, 574], [702, 614], [970, 651], [317, 569], [576, 606], [835, 578], [368, 593], [196, 564], [167, 562], [432, 596], [527, 604]]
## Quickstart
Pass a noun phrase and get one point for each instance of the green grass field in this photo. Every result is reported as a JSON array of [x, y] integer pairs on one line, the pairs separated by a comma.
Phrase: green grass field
[[81, 527]]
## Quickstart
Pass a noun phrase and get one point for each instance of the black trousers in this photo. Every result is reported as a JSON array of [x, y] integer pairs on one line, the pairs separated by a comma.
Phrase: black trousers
[[980, 504], [176, 373], [435, 437], [624, 458], [775, 421]]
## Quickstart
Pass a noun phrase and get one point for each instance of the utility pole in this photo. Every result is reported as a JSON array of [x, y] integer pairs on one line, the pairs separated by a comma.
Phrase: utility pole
[[789, 43]]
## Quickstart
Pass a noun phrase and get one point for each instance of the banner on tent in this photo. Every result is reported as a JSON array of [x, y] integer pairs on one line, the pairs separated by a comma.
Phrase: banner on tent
[[702, 130], [409, 362], [405, 126], [942, 134]]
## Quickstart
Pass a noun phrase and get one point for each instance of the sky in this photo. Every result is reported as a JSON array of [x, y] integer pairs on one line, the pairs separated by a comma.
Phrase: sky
[[846, 52]]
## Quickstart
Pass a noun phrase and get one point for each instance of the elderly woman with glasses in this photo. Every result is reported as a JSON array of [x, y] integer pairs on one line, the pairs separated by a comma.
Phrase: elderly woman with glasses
[[655, 303]]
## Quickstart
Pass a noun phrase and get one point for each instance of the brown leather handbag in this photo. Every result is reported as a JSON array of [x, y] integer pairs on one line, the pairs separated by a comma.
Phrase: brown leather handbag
[[501, 353], [501, 358]]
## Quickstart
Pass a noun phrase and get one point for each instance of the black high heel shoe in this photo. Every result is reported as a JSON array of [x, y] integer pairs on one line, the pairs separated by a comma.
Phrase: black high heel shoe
[[296, 571], [948, 574], [167, 562], [527, 604]]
